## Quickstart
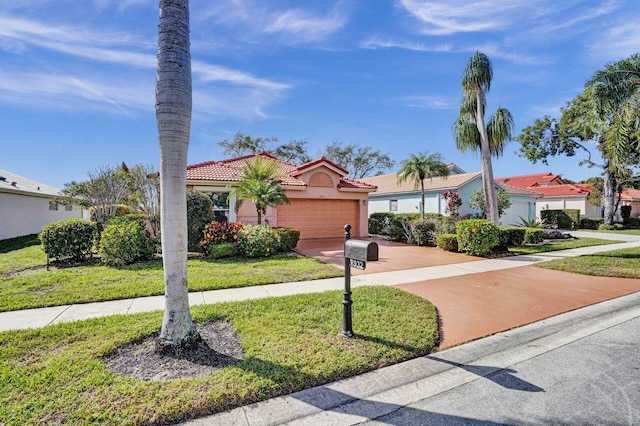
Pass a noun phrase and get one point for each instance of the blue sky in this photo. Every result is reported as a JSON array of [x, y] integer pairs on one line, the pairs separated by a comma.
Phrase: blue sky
[[77, 77]]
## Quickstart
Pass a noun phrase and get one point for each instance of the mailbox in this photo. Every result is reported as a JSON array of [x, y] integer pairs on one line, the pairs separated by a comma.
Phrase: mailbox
[[364, 251]]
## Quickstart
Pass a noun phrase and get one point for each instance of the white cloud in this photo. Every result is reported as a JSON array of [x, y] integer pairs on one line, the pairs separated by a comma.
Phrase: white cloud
[[374, 43], [617, 42], [430, 102], [304, 26]]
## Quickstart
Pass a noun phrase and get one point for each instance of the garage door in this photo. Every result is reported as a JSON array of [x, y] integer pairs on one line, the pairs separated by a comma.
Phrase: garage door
[[319, 218], [513, 214]]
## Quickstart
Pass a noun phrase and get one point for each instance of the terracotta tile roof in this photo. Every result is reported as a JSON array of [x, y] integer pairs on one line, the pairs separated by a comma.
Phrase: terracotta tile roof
[[230, 171], [566, 189], [388, 184], [630, 194], [512, 190], [526, 181]]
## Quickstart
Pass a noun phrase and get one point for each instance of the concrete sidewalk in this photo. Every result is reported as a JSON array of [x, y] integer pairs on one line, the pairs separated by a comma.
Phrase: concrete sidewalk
[[41, 317]]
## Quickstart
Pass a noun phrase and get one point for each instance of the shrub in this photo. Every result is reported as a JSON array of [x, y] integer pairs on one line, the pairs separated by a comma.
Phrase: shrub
[[511, 236], [401, 228], [384, 220], [625, 212], [613, 227], [533, 235], [590, 222], [445, 224], [424, 232], [258, 241], [117, 209], [477, 236], [565, 219], [631, 223], [199, 213], [70, 239], [448, 242], [222, 250], [218, 233], [374, 226], [127, 240], [288, 239]]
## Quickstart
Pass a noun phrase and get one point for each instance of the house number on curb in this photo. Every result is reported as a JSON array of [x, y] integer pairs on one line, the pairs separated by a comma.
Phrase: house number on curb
[[356, 254]]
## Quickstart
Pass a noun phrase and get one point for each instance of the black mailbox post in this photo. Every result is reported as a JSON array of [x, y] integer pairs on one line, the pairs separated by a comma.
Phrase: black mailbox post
[[356, 253]]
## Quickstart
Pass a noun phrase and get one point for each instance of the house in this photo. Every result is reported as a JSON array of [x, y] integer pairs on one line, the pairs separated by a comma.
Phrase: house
[[554, 193], [405, 198], [323, 199], [26, 206], [631, 197]]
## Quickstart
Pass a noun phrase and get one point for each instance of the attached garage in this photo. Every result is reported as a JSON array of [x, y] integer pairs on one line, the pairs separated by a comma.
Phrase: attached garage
[[319, 218]]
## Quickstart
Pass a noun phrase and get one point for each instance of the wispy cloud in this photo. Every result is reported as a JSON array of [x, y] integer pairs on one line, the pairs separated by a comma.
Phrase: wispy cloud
[[257, 20], [618, 41], [374, 43], [430, 102]]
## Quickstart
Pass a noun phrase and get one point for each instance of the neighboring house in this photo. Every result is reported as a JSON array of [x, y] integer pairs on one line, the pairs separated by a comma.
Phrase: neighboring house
[[630, 197], [405, 198], [26, 206], [323, 199], [554, 193]]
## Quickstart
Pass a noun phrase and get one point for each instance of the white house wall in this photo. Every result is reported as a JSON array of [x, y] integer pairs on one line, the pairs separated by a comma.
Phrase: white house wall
[[24, 214], [521, 206]]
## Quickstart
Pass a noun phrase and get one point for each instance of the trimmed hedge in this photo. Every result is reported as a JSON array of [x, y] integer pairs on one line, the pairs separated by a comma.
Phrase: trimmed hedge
[[288, 239], [380, 223], [631, 223], [511, 236], [218, 233], [613, 227], [448, 242], [258, 241], [222, 250], [533, 235], [70, 239], [591, 222], [126, 240], [563, 219], [199, 214], [424, 233], [477, 237]]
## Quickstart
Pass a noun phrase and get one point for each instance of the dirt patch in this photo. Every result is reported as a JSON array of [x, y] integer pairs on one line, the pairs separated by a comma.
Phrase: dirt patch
[[219, 347]]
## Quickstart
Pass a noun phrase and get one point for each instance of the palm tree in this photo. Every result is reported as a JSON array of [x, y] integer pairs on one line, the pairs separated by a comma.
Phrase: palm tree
[[260, 183], [470, 130], [173, 115], [419, 167]]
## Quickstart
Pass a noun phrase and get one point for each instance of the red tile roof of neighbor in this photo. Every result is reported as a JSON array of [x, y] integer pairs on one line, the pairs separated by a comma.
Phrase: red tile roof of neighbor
[[566, 189], [527, 181], [231, 171], [630, 194]]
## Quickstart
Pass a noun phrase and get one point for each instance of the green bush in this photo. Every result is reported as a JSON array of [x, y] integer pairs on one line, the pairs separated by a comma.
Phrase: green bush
[[631, 223], [511, 236], [448, 242], [613, 227], [222, 250], [625, 212], [533, 235], [220, 232], [477, 236], [199, 213], [70, 239], [563, 219], [590, 222], [445, 224], [374, 226], [258, 241], [127, 240], [288, 239], [424, 232], [401, 227], [384, 220]]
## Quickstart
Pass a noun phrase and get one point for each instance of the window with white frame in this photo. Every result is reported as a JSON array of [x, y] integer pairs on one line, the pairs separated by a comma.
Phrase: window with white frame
[[393, 205], [68, 207], [53, 206]]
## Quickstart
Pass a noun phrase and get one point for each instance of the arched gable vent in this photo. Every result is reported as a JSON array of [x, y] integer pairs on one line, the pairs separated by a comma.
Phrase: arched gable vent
[[322, 180]]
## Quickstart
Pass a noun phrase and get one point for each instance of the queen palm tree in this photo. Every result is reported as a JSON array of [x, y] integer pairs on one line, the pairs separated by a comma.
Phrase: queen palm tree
[[173, 116], [419, 167], [472, 132], [260, 183]]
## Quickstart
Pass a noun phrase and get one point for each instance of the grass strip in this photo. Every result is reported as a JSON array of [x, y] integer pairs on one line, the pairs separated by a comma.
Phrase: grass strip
[[93, 283], [56, 375], [559, 245], [623, 263]]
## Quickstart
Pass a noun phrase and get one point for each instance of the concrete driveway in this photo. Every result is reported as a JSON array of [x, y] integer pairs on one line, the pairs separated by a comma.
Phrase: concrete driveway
[[392, 256]]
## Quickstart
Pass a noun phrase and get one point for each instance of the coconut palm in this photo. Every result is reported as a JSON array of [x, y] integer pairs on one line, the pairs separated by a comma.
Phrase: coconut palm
[[472, 132], [173, 115], [419, 167], [260, 183]]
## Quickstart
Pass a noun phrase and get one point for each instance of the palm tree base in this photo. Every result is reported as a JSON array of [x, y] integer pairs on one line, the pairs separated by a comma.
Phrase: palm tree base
[[181, 347]]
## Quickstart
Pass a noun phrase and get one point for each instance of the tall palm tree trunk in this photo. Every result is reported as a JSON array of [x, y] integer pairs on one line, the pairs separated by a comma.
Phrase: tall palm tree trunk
[[608, 194], [173, 115], [422, 207], [488, 184]]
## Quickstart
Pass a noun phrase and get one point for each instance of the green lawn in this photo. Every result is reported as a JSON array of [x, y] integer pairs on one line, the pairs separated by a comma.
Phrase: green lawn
[[22, 288], [20, 253], [622, 231], [624, 263], [56, 375], [559, 245]]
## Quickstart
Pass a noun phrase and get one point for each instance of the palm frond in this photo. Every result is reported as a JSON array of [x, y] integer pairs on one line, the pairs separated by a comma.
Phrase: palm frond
[[500, 129]]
